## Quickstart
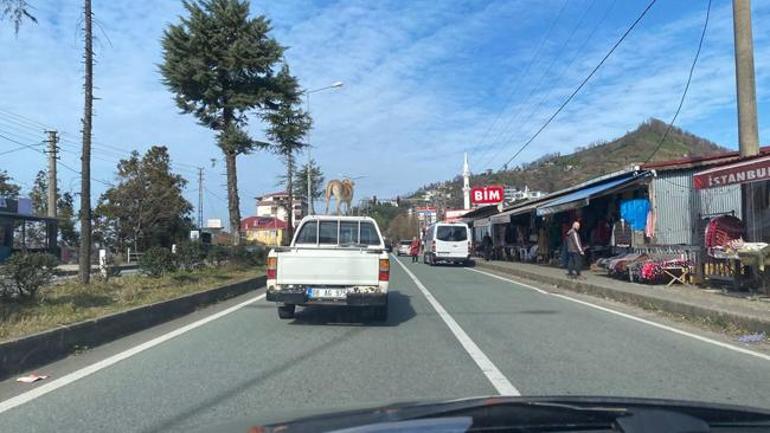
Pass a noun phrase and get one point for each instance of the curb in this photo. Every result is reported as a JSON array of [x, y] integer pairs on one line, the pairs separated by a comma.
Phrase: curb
[[32, 351], [690, 311]]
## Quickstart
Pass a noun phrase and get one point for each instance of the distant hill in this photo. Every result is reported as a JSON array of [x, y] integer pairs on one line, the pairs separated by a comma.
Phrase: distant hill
[[553, 172]]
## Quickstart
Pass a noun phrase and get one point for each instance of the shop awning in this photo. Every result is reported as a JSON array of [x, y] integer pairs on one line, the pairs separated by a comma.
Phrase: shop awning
[[750, 170], [582, 197], [505, 217], [501, 218]]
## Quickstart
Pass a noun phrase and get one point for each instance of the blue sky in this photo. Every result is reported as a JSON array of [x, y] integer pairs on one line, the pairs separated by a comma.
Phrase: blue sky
[[425, 81]]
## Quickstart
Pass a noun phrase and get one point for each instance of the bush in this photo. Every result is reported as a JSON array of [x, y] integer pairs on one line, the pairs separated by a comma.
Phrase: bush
[[22, 275], [248, 256], [156, 262], [218, 255], [190, 255]]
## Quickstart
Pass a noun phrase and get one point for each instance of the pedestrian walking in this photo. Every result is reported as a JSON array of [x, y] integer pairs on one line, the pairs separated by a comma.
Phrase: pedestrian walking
[[575, 251], [414, 249]]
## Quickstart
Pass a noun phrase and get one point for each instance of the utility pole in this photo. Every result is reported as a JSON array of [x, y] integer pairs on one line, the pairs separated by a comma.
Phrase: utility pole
[[748, 135], [52, 184], [200, 198]]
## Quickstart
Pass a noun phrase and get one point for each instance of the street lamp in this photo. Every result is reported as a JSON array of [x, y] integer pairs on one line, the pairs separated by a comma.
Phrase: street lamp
[[334, 85]]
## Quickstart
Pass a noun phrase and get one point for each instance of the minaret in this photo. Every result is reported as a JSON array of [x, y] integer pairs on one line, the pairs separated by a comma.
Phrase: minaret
[[466, 184]]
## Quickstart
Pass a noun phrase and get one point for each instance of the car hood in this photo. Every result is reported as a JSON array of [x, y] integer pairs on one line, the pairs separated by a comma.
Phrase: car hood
[[629, 415]]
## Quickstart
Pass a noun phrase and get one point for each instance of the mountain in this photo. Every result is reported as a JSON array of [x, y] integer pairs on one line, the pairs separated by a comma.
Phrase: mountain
[[553, 172]]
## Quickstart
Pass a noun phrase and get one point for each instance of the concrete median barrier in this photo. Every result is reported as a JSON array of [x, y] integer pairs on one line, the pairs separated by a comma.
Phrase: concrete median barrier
[[32, 351]]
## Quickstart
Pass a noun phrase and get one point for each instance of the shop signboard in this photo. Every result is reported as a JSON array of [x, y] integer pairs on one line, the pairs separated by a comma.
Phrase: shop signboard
[[753, 170], [490, 194]]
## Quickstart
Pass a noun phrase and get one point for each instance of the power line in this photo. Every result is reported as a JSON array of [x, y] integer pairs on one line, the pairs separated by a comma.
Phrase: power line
[[532, 60], [215, 195], [582, 84], [13, 150], [23, 123], [686, 86], [564, 68], [30, 146], [539, 84]]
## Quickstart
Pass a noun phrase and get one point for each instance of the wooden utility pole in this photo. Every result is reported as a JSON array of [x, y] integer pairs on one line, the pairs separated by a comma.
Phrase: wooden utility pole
[[748, 135], [52, 184], [85, 158]]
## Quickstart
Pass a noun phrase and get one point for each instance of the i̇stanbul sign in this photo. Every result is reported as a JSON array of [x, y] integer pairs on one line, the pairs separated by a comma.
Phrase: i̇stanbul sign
[[753, 170]]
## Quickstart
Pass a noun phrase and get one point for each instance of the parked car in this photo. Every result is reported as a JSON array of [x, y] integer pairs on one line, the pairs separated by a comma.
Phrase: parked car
[[403, 247], [447, 242], [332, 260]]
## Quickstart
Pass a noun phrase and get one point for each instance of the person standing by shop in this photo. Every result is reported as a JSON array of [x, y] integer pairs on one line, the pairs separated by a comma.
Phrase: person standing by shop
[[414, 249], [486, 246], [575, 251]]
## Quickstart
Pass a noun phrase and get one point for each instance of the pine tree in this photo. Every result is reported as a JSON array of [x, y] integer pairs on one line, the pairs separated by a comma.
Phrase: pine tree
[[218, 62]]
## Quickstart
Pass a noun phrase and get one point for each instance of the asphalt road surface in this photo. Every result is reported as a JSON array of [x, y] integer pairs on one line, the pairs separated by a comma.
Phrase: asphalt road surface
[[452, 332]]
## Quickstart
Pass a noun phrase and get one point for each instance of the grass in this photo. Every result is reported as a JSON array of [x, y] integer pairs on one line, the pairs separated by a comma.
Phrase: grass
[[67, 302]]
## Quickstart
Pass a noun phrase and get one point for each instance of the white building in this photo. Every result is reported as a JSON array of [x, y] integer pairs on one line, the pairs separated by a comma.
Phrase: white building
[[275, 205], [513, 194]]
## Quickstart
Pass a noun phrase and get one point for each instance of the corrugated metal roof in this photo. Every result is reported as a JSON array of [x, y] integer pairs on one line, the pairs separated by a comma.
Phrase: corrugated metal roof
[[699, 161]]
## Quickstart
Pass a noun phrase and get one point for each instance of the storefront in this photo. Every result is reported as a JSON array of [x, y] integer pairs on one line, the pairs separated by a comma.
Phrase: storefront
[[742, 243], [534, 230]]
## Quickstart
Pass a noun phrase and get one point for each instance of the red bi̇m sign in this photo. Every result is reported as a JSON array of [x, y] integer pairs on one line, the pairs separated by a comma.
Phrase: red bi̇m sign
[[492, 194]]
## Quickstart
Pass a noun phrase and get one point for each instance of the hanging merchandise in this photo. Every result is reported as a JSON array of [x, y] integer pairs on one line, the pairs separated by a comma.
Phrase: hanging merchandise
[[649, 230], [634, 211], [621, 234], [721, 230]]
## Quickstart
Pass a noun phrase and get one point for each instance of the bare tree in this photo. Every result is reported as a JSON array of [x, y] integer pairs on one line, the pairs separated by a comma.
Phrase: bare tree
[[85, 158]]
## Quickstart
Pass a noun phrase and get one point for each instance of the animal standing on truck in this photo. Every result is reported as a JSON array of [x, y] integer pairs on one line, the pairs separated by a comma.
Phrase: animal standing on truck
[[342, 190]]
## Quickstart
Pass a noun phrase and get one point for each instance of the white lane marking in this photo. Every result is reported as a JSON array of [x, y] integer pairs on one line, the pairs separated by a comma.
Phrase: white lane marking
[[114, 359], [639, 319], [668, 328], [510, 281], [495, 376]]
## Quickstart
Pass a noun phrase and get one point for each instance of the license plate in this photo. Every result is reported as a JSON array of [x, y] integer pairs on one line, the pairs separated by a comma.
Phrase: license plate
[[326, 293]]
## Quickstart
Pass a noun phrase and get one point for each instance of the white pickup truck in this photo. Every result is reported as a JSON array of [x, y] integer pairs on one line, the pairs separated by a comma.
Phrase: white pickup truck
[[332, 260]]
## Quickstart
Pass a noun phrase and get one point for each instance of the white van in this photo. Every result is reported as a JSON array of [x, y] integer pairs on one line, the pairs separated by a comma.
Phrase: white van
[[447, 242]]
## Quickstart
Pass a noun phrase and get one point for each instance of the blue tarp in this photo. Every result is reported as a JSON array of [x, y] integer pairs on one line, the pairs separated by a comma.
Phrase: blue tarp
[[635, 212], [581, 197]]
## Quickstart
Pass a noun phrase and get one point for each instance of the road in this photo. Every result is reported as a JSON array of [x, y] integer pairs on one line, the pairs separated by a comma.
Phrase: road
[[452, 332]]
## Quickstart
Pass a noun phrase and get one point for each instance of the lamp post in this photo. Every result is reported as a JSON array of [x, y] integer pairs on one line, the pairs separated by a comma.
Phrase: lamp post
[[335, 85]]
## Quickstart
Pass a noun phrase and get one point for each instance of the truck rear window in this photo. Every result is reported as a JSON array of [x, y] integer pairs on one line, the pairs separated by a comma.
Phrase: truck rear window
[[451, 233], [307, 234], [350, 233], [369, 234], [327, 234]]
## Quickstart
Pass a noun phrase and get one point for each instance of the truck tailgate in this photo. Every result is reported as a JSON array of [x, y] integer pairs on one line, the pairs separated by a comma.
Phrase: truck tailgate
[[328, 267]]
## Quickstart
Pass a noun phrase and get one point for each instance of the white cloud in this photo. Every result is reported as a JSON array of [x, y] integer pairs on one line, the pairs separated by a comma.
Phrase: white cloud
[[423, 82]]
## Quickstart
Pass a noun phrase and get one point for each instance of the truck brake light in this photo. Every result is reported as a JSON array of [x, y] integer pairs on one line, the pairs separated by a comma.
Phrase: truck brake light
[[384, 272], [272, 268]]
